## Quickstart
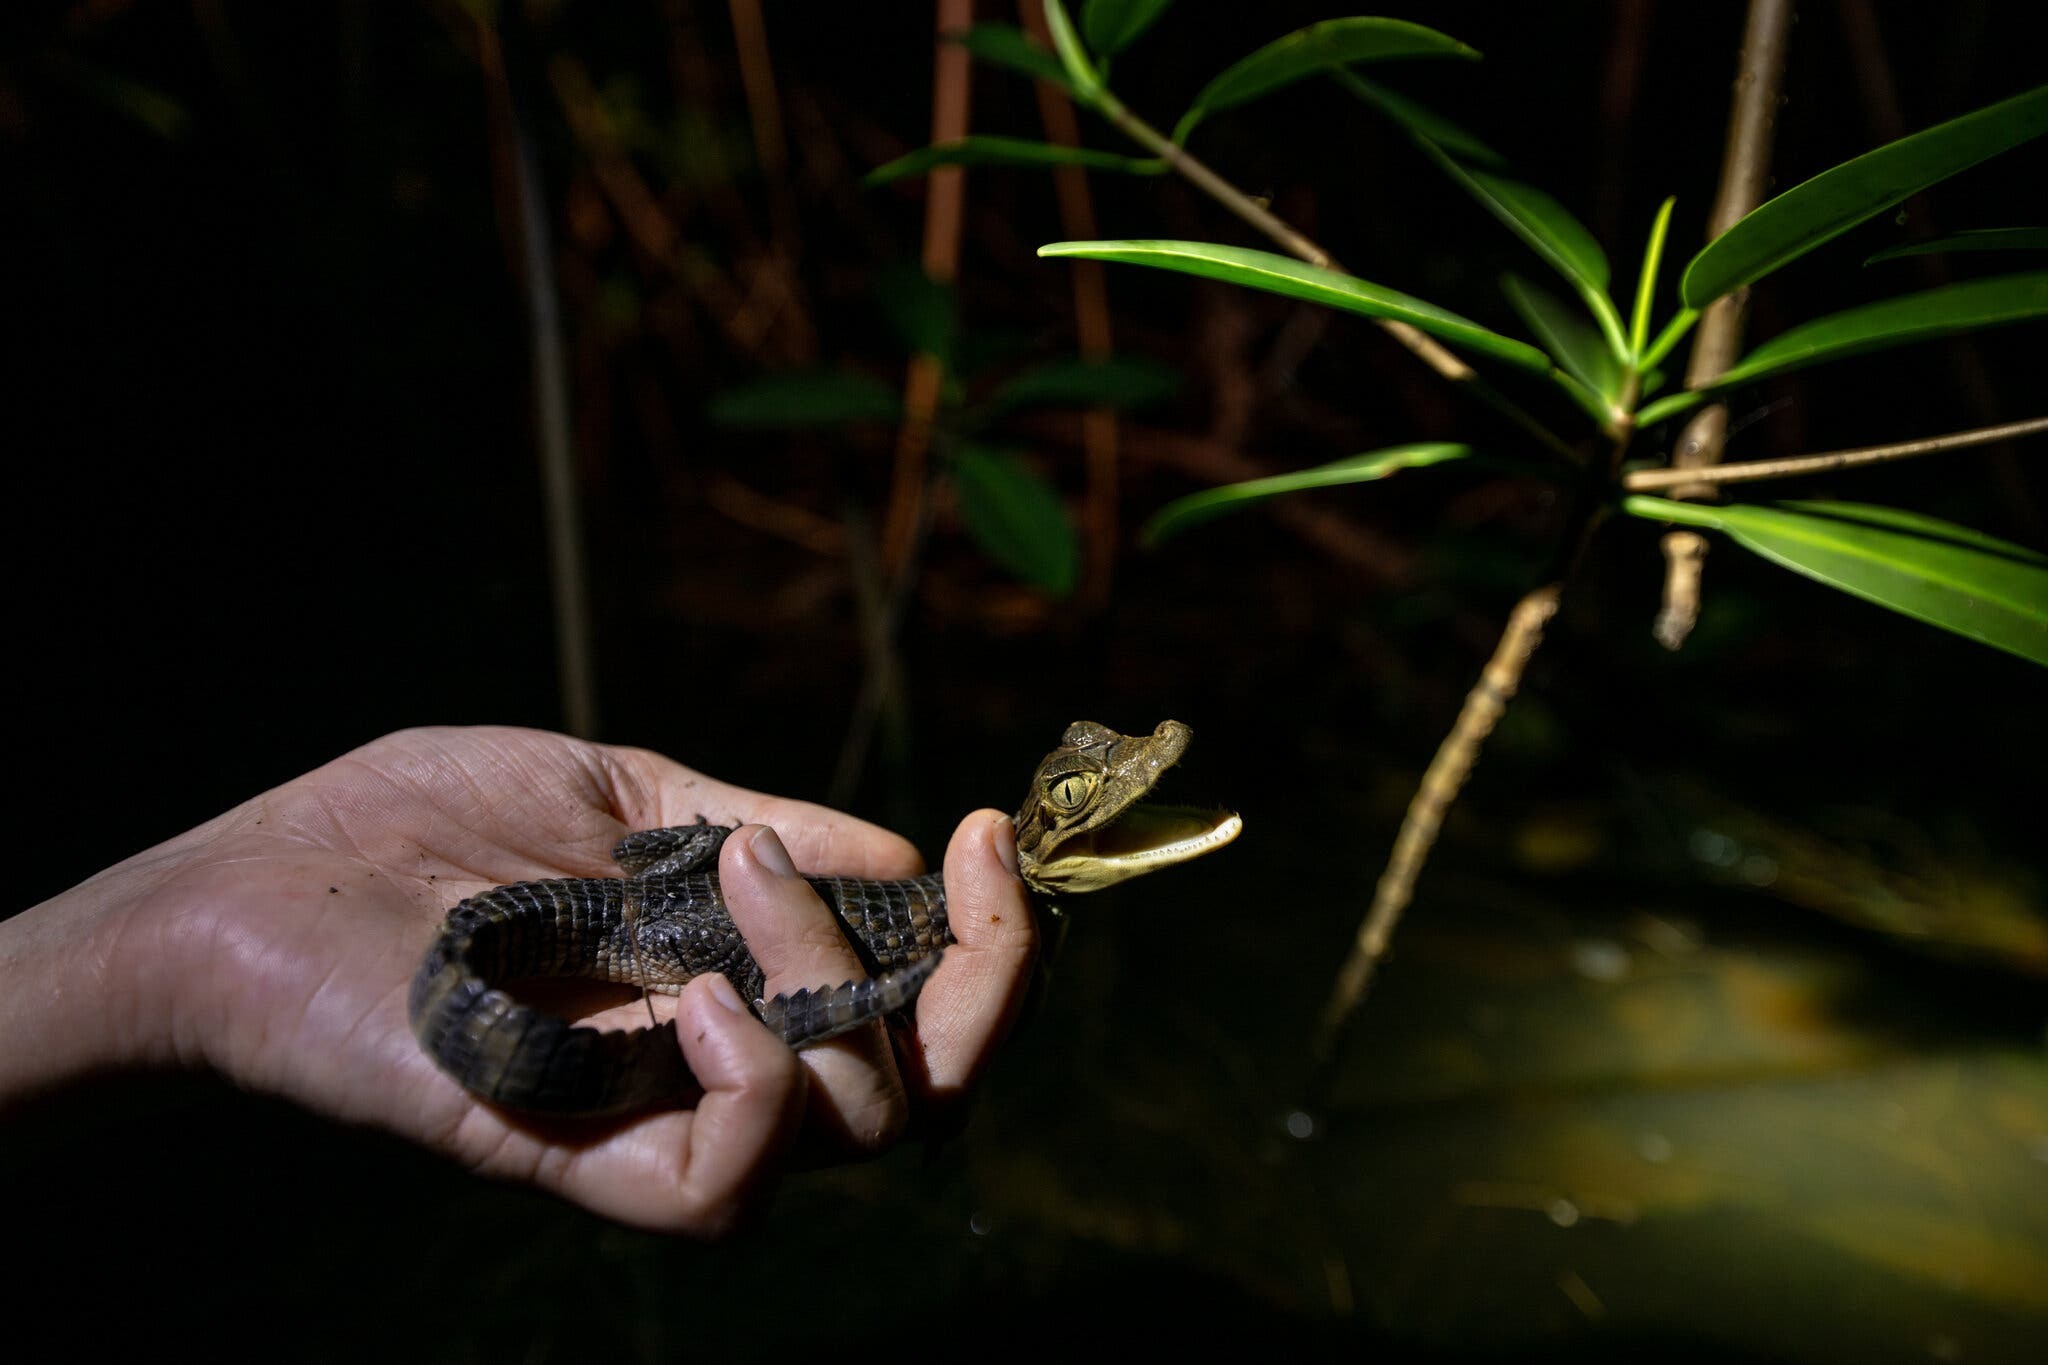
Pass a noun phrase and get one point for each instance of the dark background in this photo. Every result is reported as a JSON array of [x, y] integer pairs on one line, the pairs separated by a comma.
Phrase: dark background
[[269, 417]]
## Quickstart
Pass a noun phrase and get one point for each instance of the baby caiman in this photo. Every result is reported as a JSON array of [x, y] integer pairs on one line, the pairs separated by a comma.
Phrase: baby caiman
[[1084, 825]]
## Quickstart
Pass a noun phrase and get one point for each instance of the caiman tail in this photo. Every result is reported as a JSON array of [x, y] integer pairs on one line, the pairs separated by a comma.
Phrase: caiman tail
[[514, 1054]]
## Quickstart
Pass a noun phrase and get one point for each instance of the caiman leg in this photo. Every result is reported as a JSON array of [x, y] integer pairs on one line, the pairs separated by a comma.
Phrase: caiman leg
[[674, 848], [652, 852]]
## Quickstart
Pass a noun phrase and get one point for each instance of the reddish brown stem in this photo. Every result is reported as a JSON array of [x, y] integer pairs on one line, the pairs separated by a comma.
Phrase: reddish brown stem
[[945, 196], [1099, 428]]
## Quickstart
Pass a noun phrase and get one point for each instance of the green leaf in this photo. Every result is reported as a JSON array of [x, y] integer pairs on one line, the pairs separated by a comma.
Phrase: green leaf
[[1836, 200], [1334, 289], [1421, 122], [1646, 283], [1550, 231], [1669, 406], [1934, 571], [1016, 517], [1196, 508], [1674, 332], [1115, 381], [1082, 77], [1008, 45], [918, 309], [1007, 151], [806, 398], [1975, 239], [1110, 26], [1891, 322], [1319, 47], [1538, 219], [1561, 331]]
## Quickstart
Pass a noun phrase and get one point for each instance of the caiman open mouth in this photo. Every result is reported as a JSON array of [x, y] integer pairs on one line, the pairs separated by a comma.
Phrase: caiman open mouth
[[1144, 838]]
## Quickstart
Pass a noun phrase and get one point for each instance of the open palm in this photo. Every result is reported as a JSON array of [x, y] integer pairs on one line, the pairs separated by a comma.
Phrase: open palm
[[277, 943]]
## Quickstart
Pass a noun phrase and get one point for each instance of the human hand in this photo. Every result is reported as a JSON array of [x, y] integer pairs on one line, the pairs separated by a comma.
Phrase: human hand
[[277, 942]]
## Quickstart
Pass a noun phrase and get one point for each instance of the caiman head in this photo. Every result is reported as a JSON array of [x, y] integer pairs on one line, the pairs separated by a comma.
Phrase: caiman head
[[1082, 825]]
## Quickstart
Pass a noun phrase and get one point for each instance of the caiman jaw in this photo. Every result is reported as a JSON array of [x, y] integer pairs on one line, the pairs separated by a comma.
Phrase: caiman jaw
[[1081, 827]]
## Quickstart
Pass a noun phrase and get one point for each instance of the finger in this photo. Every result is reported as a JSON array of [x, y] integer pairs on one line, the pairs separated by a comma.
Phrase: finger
[[856, 1093], [968, 1006], [700, 1170], [650, 791], [753, 1100]]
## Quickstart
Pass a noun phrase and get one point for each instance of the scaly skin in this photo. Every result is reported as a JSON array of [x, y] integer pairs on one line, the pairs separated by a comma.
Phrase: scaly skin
[[666, 922]]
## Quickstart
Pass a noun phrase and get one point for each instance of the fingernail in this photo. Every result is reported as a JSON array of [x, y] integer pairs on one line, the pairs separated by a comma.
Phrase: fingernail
[[724, 994], [1004, 836], [769, 853]]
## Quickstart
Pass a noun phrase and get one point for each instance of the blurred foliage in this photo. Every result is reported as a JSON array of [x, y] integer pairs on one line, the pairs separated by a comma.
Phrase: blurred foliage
[[1011, 510], [1926, 568]]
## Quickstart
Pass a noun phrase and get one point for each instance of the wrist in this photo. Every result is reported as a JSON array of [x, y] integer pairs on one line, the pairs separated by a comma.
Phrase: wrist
[[78, 994]]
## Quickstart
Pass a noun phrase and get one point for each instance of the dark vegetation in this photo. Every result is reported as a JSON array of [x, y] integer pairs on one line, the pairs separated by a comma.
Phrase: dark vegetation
[[1716, 1024]]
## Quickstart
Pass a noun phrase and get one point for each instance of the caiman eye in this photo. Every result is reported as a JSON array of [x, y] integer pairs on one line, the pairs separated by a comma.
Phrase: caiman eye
[[1070, 792]]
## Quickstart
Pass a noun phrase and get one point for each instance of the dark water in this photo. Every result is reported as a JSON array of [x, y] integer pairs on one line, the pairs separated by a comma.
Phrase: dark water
[[1582, 1114]]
